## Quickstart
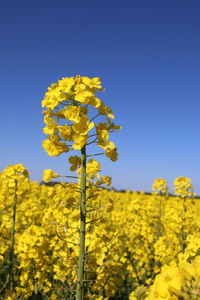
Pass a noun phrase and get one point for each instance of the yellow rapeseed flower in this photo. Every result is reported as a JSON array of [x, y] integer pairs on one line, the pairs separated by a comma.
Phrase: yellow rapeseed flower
[[49, 174]]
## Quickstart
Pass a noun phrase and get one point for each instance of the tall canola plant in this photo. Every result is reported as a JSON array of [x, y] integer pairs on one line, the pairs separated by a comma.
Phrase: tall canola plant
[[71, 113]]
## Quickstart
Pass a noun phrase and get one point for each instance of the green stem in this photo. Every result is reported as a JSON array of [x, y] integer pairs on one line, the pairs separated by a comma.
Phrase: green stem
[[160, 217], [91, 142], [183, 232], [81, 262], [94, 117], [69, 176], [96, 154]]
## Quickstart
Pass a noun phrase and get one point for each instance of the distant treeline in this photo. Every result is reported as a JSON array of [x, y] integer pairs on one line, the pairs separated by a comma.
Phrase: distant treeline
[[110, 189]]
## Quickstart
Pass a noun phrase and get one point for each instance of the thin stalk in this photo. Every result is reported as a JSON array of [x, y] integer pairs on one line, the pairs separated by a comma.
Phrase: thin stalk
[[69, 176], [160, 216], [81, 262], [94, 117], [96, 154], [91, 142], [183, 232]]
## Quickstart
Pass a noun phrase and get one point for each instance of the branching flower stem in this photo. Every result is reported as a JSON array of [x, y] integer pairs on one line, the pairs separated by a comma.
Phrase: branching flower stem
[[96, 154], [183, 227], [91, 142], [69, 177], [81, 262], [94, 117]]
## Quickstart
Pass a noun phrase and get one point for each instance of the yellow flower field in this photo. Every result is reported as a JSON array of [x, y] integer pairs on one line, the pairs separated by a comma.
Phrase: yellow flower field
[[138, 246]]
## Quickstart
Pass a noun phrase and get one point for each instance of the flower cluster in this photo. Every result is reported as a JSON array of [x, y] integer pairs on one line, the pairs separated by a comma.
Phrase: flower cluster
[[69, 105], [183, 187], [49, 174], [160, 186]]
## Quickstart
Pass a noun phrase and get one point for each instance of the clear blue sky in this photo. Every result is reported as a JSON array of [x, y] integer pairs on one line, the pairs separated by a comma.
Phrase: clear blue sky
[[147, 54]]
